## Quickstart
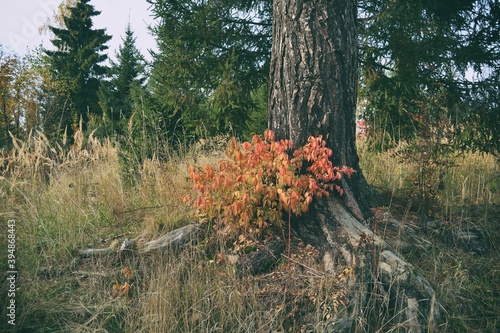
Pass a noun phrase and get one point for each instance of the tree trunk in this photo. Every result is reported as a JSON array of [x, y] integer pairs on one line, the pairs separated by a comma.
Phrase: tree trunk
[[6, 120], [313, 83], [313, 92]]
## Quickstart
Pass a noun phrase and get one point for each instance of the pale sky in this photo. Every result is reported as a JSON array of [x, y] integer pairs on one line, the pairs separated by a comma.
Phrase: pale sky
[[20, 20]]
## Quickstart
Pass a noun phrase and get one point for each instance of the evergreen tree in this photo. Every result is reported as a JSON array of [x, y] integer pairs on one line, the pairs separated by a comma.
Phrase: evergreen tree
[[212, 56], [76, 63], [416, 60], [127, 73]]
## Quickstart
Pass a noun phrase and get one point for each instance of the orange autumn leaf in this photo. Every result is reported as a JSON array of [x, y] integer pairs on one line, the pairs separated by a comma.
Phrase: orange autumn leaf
[[124, 289], [128, 273], [120, 290]]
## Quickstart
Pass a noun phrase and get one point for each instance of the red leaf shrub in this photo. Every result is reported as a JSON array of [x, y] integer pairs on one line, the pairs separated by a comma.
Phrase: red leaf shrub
[[262, 180]]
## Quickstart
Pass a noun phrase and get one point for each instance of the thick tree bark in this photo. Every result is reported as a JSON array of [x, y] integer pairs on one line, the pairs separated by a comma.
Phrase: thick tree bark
[[313, 73], [313, 84]]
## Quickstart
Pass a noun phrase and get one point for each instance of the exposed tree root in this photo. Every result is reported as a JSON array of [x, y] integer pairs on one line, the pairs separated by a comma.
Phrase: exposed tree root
[[379, 280]]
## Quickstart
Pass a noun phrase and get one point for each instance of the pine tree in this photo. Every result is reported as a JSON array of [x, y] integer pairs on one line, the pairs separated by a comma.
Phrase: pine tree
[[77, 63], [415, 61], [127, 73], [212, 56]]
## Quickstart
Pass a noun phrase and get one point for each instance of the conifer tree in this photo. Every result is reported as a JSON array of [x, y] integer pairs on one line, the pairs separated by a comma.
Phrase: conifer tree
[[213, 55], [416, 63], [413, 54], [126, 74], [77, 64]]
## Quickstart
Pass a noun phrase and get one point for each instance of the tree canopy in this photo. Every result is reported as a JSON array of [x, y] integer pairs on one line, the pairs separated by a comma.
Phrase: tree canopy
[[212, 56], [77, 63], [423, 65], [20, 95], [417, 62], [416, 57]]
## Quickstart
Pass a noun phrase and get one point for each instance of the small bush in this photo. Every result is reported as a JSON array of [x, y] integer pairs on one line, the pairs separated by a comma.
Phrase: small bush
[[262, 179]]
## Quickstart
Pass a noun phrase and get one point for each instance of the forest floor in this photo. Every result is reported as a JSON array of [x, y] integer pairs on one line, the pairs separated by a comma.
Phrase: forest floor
[[98, 196]]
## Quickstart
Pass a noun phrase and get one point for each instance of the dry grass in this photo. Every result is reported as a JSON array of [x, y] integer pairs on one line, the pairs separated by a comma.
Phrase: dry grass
[[471, 178], [467, 285], [67, 199]]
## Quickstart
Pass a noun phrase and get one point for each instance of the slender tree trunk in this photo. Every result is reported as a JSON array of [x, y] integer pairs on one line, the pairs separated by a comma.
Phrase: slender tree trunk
[[313, 80], [6, 120]]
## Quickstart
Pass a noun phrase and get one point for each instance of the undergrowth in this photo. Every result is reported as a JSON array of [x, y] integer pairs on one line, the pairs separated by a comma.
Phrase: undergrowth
[[467, 195], [262, 180], [65, 200]]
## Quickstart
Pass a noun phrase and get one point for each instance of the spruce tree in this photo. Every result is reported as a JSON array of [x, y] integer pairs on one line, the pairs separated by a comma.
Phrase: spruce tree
[[416, 60], [413, 54], [126, 74], [213, 55], [77, 62]]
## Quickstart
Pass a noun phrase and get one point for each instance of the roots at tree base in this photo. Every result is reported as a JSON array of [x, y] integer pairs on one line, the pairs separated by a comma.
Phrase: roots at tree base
[[382, 283]]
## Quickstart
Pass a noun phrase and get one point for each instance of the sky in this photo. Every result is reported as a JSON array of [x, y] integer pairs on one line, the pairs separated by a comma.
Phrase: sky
[[20, 20]]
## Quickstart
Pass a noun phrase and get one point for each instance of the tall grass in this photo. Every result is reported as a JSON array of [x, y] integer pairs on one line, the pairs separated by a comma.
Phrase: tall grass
[[471, 178], [468, 196], [67, 200], [64, 200], [93, 195]]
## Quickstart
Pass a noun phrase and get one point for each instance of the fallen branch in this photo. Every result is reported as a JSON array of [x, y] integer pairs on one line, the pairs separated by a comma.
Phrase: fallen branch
[[95, 252], [85, 274], [175, 239]]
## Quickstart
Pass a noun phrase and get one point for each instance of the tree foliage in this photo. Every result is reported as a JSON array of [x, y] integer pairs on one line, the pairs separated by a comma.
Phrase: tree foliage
[[212, 55], [126, 74], [20, 96], [77, 64], [8, 66], [424, 52], [419, 60]]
